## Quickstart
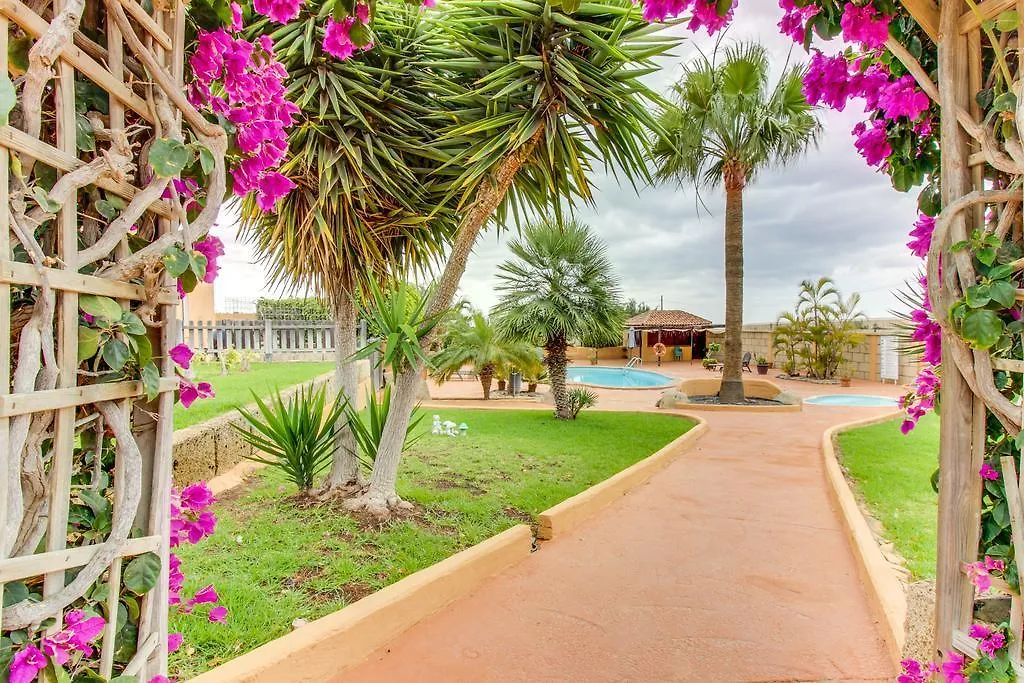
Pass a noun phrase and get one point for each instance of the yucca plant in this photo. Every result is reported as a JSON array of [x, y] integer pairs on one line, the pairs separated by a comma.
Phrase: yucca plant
[[296, 435], [397, 315], [369, 430], [579, 399]]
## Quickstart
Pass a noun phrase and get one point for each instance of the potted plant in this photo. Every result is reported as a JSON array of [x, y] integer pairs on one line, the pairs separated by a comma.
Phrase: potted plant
[[593, 356], [762, 365], [845, 374]]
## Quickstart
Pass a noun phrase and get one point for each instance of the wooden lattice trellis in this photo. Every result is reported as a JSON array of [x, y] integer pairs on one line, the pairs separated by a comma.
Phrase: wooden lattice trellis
[[971, 200], [143, 462]]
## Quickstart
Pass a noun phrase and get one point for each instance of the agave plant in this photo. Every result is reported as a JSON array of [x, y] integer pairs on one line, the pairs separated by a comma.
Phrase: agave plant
[[296, 435]]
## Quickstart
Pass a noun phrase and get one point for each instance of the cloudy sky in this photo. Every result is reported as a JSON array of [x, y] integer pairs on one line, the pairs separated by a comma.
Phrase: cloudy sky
[[827, 214]]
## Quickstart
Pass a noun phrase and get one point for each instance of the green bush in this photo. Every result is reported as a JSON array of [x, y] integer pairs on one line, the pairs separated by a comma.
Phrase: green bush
[[579, 399], [297, 434]]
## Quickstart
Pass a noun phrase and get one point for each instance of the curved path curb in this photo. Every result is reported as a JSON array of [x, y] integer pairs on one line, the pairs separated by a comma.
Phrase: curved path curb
[[885, 591]]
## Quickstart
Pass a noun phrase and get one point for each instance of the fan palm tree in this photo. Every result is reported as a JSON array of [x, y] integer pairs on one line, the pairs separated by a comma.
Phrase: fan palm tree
[[727, 124], [473, 340], [537, 94], [364, 205], [559, 287]]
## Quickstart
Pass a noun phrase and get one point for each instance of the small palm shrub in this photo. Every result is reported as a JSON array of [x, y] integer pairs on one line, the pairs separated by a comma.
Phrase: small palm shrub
[[579, 399], [369, 432], [295, 435]]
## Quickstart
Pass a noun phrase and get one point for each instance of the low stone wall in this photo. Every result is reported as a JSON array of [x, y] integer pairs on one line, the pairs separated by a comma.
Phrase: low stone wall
[[585, 353], [757, 339], [206, 450]]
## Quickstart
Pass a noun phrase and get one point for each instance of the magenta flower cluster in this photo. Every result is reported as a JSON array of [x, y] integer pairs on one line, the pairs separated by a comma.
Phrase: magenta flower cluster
[[212, 248], [794, 20], [78, 635], [703, 13], [337, 34], [244, 83], [980, 572], [988, 472], [955, 668], [191, 522], [921, 399], [865, 25]]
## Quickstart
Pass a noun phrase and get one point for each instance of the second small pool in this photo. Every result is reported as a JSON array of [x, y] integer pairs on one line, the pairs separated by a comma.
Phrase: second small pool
[[617, 378], [863, 400]]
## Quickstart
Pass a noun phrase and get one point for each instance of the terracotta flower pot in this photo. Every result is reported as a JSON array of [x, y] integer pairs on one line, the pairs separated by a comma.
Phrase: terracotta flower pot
[[844, 381], [762, 369]]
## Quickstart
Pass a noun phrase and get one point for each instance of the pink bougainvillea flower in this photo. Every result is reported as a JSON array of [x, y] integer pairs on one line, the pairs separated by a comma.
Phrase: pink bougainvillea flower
[[176, 578], [988, 472], [188, 393], [794, 19], [181, 355], [84, 630], [828, 81], [211, 247], [980, 572], [236, 17], [26, 664], [865, 25], [181, 290], [872, 142], [196, 497], [134, 230], [902, 97], [706, 16], [174, 641], [272, 186], [428, 3], [281, 11], [913, 672], [993, 565], [337, 34], [993, 644], [928, 332], [218, 614], [204, 595], [921, 236], [979, 631], [953, 668], [659, 10], [161, 678]]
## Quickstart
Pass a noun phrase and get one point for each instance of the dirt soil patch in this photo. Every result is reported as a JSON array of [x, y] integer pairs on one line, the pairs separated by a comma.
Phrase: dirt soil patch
[[713, 400]]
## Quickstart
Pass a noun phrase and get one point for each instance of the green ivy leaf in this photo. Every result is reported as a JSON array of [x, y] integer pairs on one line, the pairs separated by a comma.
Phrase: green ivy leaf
[[197, 263], [42, 198], [8, 97], [142, 573], [85, 139], [101, 307], [986, 255], [132, 324], [206, 160], [982, 327], [88, 342], [106, 210], [1005, 102], [144, 348], [151, 379], [176, 261], [168, 157], [1003, 292], [978, 296], [115, 354]]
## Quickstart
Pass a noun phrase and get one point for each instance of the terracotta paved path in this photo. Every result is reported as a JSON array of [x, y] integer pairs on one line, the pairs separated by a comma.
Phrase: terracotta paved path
[[729, 565]]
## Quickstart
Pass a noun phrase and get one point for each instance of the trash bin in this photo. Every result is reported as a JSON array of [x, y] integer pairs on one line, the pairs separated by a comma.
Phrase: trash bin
[[515, 383]]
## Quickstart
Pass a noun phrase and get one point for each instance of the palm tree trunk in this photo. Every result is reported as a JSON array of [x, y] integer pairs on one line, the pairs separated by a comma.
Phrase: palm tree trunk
[[486, 375], [555, 359], [345, 472], [380, 496], [732, 370]]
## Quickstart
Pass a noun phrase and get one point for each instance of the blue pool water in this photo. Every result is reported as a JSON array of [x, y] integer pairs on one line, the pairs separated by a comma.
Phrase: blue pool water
[[618, 378], [852, 400]]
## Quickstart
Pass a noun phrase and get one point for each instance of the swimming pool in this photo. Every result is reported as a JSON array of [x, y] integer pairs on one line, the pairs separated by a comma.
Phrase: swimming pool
[[862, 400], [617, 378]]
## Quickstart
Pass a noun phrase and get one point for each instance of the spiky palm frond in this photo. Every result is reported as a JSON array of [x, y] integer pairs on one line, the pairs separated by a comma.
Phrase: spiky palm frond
[[366, 200], [522, 71], [474, 340], [727, 117], [560, 286]]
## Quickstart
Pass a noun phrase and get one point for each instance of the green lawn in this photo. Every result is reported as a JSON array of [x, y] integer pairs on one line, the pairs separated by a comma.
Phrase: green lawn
[[273, 562], [893, 473], [233, 389]]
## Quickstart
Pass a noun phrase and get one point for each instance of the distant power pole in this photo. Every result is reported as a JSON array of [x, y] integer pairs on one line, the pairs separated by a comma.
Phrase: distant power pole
[[662, 304]]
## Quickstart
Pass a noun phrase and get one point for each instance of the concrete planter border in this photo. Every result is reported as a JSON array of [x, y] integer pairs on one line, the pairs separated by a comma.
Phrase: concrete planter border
[[568, 514], [321, 650], [883, 587]]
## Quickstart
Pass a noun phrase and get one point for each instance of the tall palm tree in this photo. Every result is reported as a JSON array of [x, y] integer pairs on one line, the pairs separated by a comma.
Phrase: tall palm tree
[[364, 205], [728, 123], [473, 339], [537, 94], [816, 305], [559, 288]]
